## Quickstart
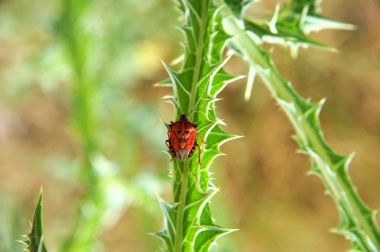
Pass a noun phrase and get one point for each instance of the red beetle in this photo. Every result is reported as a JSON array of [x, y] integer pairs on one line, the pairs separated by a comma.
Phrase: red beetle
[[182, 142]]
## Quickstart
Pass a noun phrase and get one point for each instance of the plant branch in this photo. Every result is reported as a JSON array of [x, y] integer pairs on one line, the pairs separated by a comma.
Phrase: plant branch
[[200, 48], [357, 221]]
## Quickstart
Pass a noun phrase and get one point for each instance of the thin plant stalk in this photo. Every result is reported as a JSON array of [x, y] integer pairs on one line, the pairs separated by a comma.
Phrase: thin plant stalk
[[77, 44]]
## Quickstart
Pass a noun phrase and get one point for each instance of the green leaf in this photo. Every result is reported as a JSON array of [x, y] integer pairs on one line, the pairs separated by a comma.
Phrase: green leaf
[[207, 236], [290, 25], [168, 232], [286, 34], [237, 6], [313, 6], [307, 14], [35, 240]]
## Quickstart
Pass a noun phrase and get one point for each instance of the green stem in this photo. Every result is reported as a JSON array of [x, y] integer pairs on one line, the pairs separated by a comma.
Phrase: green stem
[[181, 207], [338, 184], [199, 58], [192, 101]]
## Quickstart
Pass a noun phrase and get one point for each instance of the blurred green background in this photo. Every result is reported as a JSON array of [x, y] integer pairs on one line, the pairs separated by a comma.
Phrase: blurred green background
[[265, 191]]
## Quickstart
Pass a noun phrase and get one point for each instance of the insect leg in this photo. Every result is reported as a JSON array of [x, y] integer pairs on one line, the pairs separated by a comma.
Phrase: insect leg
[[167, 143], [203, 141], [199, 153]]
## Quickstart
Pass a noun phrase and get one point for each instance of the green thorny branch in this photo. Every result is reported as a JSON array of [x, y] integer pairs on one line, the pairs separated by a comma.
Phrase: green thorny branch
[[188, 224], [288, 28]]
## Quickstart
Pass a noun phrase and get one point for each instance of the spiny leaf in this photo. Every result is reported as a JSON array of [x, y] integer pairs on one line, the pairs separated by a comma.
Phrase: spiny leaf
[[237, 6], [307, 14], [287, 34], [167, 234], [164, 83], [289, 25], [35, 240], [207, 236], [313, 6]]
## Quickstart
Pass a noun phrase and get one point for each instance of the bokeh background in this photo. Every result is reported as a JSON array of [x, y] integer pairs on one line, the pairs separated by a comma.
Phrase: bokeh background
[[265, 190]]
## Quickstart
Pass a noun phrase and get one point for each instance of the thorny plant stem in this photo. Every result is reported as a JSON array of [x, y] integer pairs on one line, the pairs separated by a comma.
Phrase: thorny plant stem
[[199, 58], [341, 189], [193, 99], [181, 207]]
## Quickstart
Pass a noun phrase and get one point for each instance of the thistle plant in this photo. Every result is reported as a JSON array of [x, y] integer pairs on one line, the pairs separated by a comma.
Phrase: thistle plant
[[209, 26], [189, 225]]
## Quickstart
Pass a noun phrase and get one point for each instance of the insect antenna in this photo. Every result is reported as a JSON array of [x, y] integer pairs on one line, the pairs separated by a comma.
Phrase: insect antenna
[[175, 104], [193, 109]]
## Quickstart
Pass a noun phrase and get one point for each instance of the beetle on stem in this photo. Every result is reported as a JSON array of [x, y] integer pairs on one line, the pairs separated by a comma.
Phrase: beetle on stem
[[182, 139]]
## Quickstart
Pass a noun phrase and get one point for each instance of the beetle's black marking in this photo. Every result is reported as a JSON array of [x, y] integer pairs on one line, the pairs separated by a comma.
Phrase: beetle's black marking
[[171, 148]]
